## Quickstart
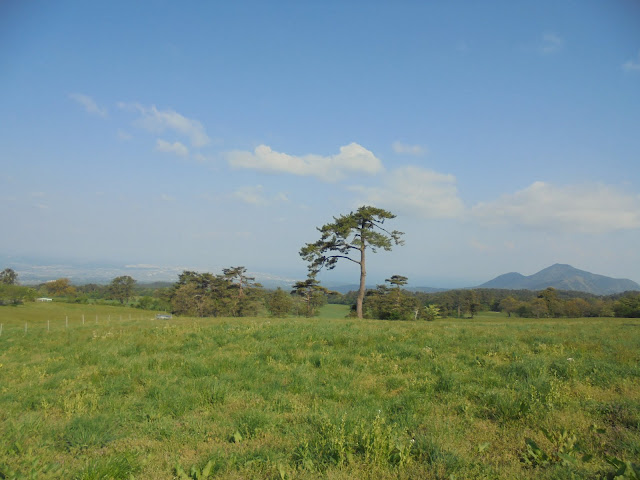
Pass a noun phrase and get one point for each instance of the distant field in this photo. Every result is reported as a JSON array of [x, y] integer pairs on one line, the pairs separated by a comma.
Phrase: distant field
[[328, 397]]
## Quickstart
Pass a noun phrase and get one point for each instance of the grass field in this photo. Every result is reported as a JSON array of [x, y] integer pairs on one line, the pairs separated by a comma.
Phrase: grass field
[[489, 398]]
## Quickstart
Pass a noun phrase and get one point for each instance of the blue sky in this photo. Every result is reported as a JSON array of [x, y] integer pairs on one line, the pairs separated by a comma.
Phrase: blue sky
[[505, 136]]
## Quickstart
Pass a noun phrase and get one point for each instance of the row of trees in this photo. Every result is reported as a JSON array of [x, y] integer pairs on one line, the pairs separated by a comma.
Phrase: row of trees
[[347, 238], [390, 302], [548, 303], [232, 293], [121, 289]]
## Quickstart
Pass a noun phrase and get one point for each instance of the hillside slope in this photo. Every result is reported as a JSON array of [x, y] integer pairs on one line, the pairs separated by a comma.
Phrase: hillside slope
[[563, 277]]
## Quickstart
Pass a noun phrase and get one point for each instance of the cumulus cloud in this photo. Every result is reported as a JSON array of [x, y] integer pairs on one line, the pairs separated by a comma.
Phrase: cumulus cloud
[[551, 43], [353, 158], [404, 149], [593, 208], [176, 148], [89, 104], [632, 65], [416, 191], [159, 121]]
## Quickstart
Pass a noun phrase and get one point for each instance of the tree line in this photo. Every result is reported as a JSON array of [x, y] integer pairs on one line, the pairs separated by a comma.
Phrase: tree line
[[389, 302], [122, 290], [233, 293], [348, 238]]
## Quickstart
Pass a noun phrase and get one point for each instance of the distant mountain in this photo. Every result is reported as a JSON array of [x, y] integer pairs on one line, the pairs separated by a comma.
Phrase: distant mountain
[[563, 277]]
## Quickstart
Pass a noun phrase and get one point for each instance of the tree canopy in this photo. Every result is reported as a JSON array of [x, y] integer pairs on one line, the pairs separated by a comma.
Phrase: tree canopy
[[279, 303], [348, 237], [312, 294], [61, 287], [9, 277], [121, 288], [232, 294]]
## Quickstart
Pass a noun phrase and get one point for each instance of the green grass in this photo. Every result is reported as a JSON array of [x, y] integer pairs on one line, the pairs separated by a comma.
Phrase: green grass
[[334, 311], [328, 397]]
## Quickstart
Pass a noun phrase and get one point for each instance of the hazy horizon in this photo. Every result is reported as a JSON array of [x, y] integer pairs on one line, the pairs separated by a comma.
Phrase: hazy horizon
[[36, 271]]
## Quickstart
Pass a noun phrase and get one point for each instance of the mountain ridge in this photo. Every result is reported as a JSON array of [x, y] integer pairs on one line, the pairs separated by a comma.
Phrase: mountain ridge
[[563, 277]]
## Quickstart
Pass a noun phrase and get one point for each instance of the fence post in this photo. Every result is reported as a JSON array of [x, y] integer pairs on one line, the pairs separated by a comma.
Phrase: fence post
[[66, 321], [83, 318]]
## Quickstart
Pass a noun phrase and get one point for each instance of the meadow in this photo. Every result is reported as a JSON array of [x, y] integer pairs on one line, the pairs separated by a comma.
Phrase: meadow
[[127, 396]]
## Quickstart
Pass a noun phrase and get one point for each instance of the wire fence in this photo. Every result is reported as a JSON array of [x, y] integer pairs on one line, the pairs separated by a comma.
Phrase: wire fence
[[57, 324]]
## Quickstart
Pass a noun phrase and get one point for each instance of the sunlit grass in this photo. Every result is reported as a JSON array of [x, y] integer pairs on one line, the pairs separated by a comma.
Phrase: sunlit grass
[[302, 398]]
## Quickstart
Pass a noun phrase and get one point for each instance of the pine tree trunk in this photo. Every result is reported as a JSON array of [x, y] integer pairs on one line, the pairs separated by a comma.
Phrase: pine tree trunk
[[363, 276]]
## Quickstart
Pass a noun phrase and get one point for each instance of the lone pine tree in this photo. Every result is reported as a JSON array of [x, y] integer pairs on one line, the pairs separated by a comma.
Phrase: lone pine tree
[[351, 235]]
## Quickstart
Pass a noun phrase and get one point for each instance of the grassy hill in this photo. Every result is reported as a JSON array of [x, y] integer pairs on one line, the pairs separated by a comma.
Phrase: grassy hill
[[313, 398]]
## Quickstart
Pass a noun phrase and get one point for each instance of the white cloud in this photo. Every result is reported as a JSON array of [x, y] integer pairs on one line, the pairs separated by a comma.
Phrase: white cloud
[[89, 104], [594, 208], [158, 121], [551, 43], [176, 148], [167, 198], [417, 191], [632, 65], [403, 148], [353, 158]]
